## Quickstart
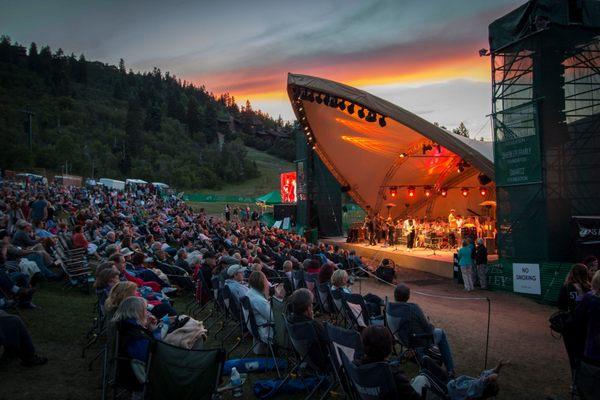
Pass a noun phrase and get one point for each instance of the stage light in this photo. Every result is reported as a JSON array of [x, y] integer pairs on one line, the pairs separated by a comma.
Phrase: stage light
[[333, 103], [393, 192], [371, 117], [444, 192], [482, 191], [319, 99], [314, 147], [411, 191], [342, 105], [402, 155], [310, 97], [382, 122], [426, 148], [300, 109], [361, 113], [427, 191], [464, 192], [351, 108], [306, 128], [326, 99]]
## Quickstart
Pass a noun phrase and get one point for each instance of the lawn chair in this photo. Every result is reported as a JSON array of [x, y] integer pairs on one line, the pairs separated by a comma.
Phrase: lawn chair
[[177, 373], [235, 315], [324, 300], [356, 312], [348, 342], [413, 345], [75, 267], [370, 382], [253, 327], [336, 298], [298, 279], [177, 275], [304, 340]]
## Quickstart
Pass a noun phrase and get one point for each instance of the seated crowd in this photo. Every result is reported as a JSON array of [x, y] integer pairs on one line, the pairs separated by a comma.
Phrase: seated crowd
[[148, 249]]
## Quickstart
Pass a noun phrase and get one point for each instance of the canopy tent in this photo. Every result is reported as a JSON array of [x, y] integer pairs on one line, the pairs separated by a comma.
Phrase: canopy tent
[[379, 162], [270, 198]]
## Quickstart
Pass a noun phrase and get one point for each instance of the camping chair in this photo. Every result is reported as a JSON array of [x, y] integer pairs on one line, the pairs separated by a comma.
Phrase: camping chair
[[412, 344], [371, 381], [348, 342], [75, 268], [98, 323], [298, 279], [254, 328], [177, 275], [311, 280], [336, 298], [177, 373], [356, 312], [235, 313], [324, 300], [305, 341]]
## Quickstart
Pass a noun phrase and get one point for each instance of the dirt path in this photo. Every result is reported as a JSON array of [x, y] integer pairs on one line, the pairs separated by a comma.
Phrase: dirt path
[[519, 332]]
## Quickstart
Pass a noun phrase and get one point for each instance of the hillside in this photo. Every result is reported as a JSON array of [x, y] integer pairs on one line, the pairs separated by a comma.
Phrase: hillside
[[99, 120]]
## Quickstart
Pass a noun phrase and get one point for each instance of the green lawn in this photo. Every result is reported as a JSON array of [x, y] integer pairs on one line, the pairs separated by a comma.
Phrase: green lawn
[[269, 166]]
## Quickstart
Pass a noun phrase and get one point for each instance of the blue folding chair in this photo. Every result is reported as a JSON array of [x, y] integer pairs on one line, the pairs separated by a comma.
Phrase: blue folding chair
[[371, 381]]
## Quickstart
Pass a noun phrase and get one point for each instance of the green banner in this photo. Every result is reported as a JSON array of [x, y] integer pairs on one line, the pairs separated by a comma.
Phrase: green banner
[[214, 198], [518, 161], [517, 158]]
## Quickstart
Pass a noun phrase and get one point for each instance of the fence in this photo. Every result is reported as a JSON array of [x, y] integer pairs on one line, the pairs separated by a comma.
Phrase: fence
[[552, 276], [215, 198]]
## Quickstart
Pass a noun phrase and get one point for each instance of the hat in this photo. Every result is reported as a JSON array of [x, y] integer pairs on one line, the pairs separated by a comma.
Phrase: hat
[[234, 269], [125, 251], [229, 260]]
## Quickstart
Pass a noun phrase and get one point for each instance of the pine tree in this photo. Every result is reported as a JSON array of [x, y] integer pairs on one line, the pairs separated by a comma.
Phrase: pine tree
[[193, 117], [461, 130]]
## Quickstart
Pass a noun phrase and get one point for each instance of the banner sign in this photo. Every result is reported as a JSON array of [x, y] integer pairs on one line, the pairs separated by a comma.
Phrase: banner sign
[[587, 229], [526, 278]]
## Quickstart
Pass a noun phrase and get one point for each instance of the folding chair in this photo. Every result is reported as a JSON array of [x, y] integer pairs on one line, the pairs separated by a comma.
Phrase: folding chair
[[348, 342], [177, 373], [371, 381], [324, 300], [412, 344], [254, 328], [356, 312], [336, 298], [235, 315]]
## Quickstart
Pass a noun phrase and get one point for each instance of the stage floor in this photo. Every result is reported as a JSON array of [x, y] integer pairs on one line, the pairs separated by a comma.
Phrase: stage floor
[[439, 262]]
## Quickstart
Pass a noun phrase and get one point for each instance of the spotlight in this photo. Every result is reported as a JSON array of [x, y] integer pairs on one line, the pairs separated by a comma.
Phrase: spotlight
[[427, 191], [342, 105], [464, 192], [411, 191], [333, 102], [326, 99], [382, 122], [444, 192], [361, 113], [351, 108], [314, 147], [371, 117], [306, 128], [393, 192], [310, 97], [319, 99], [482, 191], [402, 155]]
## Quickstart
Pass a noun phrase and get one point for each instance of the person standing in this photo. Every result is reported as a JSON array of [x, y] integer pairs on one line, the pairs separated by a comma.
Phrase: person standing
[[481, 260], [465, 261], [409, 230], [39, 209]]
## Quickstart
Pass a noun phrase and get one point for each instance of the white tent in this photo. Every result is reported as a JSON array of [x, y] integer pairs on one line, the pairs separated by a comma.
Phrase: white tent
[[379, 164]]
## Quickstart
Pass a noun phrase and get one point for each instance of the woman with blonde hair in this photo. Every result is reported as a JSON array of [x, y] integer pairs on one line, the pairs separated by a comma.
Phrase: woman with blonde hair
[[339, 281], [118, 293]]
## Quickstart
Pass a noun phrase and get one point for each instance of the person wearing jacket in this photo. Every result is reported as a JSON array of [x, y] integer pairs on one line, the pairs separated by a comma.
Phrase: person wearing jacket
[[481, 260]]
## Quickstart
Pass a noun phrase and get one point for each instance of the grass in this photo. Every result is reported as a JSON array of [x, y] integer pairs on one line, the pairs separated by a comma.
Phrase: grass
[[269, 166]]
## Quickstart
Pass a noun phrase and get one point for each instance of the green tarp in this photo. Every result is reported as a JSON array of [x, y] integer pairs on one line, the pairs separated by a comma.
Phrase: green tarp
[[270, 198]]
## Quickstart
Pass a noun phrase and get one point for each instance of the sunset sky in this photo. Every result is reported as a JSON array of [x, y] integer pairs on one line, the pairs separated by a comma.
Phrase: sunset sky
[[421, 55]]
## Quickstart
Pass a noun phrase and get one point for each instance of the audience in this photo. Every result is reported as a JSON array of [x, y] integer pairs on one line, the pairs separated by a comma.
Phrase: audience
[[418, 323]]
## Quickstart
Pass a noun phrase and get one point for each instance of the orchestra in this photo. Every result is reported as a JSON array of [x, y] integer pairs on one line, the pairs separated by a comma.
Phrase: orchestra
[[435, 233]]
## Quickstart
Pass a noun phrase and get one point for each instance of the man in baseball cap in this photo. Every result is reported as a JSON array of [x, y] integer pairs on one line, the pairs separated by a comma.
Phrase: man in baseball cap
[[235, 282]]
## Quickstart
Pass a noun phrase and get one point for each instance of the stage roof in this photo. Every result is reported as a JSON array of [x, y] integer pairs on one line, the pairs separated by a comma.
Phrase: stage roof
[[370, 159]]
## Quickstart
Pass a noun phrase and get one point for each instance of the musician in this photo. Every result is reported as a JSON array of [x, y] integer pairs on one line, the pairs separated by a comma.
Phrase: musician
[[452, 226], [391, 230], [371, 226], [409, 230]]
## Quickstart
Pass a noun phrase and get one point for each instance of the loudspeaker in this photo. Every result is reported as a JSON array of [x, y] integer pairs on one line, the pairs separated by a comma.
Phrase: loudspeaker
[[483, 179]]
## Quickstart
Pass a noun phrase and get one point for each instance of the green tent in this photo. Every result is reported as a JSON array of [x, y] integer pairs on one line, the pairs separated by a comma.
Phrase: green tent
[[270, 198]]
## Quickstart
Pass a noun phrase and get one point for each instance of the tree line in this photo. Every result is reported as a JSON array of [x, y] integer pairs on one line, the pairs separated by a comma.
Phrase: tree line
[[106, 121]]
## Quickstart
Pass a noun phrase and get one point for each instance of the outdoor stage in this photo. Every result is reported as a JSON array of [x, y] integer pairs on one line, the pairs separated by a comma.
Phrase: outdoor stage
[[441, 263]]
